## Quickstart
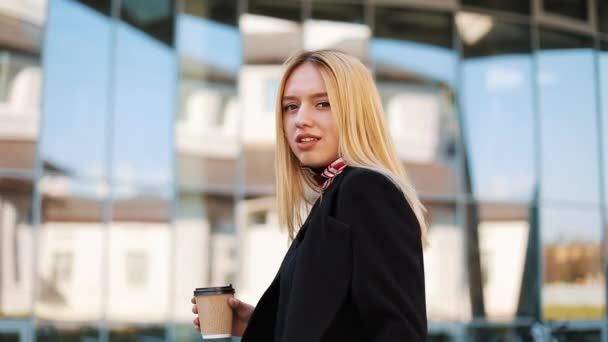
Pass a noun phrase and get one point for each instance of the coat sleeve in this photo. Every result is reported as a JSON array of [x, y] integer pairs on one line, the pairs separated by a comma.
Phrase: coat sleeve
[[388, 273]]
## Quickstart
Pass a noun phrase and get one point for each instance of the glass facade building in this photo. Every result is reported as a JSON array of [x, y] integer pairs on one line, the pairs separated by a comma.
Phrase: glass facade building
[[137, 147]]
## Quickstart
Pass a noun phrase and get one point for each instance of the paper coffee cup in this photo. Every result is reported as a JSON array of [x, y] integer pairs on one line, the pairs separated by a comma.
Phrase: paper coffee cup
[[214, 313]]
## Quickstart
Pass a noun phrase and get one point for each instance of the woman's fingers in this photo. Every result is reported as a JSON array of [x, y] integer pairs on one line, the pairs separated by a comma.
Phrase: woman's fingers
[[193, 300], [194, 309], [196, 322]]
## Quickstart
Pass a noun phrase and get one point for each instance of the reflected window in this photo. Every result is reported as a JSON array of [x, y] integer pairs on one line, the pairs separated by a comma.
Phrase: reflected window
[[577, 9], [48, 331], [70, 242], [498, 107], [517, 6], [415, 68], [16, 245], [154, 17], [338, 26], [573, 286], [568, 119]]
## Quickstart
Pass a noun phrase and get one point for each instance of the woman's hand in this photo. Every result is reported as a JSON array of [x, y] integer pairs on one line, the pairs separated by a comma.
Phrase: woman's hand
[[240, 318]]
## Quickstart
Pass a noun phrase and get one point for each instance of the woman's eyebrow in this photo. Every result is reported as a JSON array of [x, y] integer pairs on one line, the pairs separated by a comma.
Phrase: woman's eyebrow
[[313, 96]]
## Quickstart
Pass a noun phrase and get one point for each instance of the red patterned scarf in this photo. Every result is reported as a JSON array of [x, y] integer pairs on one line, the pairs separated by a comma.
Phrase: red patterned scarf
[[325, 178]]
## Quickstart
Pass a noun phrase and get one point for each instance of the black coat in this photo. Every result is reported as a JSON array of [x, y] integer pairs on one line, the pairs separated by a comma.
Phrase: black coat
[[360, 272]]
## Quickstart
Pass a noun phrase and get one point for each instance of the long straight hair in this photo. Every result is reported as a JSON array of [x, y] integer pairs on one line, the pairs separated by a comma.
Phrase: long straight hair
[[364, 140]]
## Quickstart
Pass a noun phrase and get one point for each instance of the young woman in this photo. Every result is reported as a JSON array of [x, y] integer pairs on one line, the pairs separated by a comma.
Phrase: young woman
[[354, 270]]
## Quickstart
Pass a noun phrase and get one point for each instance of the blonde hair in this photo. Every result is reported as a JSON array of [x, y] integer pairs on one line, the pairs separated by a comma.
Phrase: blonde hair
[[364, 140]]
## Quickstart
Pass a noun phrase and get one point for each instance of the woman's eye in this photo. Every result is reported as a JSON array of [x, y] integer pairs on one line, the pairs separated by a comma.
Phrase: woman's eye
[[323, 104], [289, 107]]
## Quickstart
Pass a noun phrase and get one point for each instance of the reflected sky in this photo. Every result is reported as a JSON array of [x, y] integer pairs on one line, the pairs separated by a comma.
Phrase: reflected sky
[[77, 98], [428, 61], [499, 123], [568, 126], [77, 74], [144, 94], [209, 42], [603, 77]]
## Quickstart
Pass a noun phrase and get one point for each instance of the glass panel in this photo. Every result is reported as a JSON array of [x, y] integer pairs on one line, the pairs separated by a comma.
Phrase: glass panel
[[139, 256], [259, 226], [271, 31], [144, 96], [498, 107], [447, 297], [568, 118], [137, 333], [207, 139], [16, 246], [49, 331], [207, 148], [20, 88], [154, 17], [70, 249], [518, 6], [576, 9], [504, 239], [415, 67], [75, 105], [602, 56], [574, 281]]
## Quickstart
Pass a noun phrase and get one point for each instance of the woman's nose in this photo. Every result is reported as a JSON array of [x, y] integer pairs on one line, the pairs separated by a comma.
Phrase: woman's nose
[[304, 116]]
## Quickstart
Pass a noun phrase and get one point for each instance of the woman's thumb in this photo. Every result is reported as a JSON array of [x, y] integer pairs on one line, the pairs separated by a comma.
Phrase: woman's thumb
[[234, 303]]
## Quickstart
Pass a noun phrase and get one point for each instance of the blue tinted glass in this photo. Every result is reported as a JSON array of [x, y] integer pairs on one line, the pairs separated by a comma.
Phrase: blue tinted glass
[[498, 113], [75, 102], [603, 78], [144, 95], [568, 122]]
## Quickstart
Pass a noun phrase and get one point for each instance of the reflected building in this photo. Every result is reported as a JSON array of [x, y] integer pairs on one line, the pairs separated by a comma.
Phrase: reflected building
[[137, 149]]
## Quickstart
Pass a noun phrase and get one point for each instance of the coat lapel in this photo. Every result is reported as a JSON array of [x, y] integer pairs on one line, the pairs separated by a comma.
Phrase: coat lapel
[[321, 278]]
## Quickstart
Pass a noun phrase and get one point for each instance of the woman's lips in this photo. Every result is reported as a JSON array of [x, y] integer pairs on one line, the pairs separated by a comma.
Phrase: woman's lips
[[307, 145]]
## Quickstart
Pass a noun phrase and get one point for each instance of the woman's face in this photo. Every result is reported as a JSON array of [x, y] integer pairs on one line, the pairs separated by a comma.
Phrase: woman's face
[[308, 123]]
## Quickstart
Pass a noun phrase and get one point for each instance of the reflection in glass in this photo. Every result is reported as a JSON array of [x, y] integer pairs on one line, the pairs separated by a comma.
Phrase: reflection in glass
[[446, 291], [573, 286], [338, 26], [271, 31], [209, 46], [518, 6], [143, 94], [568, 118], [258, 222], [20, 88], [206, 126], [504, 238], [103, 6], [498, 109], [138, 253], [415, 74], [499, 333], [602, 56], [16, 246], [576, 9], [70, 250], [76, 104], [152, 17]]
